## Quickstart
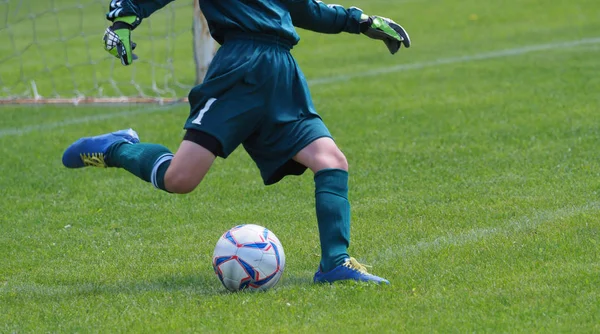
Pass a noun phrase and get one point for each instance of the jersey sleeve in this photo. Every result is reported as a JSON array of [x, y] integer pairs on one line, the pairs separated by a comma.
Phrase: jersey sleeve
[[138, 8], [319, 17]]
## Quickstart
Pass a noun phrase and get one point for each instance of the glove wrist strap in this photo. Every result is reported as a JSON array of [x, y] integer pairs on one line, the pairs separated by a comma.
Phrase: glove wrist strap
[[365, 23], [122, 25]]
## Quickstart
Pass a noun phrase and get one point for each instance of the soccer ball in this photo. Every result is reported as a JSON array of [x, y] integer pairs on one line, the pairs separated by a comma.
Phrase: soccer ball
[[248, 257]]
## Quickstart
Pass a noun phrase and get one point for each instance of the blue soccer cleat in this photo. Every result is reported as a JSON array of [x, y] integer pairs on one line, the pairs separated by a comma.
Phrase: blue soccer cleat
[[349, 270], [90, 151]]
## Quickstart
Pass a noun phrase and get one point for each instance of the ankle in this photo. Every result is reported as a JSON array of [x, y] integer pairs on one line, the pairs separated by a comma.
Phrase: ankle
[[113, 151]]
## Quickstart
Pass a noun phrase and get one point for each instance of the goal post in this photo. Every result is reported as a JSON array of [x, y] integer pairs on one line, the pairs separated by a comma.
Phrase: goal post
[[204, 45], [51, 53]]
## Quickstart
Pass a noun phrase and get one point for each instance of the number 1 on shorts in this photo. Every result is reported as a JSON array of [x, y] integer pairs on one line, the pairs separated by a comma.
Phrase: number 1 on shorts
[[207, 106]]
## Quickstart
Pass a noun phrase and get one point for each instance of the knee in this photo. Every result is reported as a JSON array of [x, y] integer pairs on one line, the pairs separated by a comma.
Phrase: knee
[[333, 159], [180, 183], [341, 161], [321, 154]]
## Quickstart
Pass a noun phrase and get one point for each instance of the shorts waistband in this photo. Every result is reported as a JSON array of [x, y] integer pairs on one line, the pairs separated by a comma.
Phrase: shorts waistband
[[281, 42]]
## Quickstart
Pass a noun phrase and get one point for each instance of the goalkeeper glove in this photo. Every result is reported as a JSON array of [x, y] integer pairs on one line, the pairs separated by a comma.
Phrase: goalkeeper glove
[[117, 39], [381, 28]]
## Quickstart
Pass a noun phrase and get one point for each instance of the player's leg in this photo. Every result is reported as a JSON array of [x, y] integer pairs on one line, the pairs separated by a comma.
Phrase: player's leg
[[179, 173], [188, 167], [321, 154], [293, 137], [223, 112], [288, 149], [330, 167]]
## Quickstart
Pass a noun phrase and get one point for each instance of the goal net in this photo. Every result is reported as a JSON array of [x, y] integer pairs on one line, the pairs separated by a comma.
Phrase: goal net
[[51, 52]]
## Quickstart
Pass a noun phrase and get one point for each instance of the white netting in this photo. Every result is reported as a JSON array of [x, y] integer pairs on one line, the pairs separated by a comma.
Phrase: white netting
[[51, 50]]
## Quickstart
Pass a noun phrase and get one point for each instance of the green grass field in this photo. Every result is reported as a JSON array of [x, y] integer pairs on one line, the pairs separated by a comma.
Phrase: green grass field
[[475, 179]]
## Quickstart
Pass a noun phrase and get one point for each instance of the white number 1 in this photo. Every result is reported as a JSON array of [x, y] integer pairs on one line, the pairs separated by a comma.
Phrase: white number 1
[[207, 106]]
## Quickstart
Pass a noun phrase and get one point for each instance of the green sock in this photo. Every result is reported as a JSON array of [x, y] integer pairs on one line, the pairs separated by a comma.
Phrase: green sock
[[333, 216], [149, 162]]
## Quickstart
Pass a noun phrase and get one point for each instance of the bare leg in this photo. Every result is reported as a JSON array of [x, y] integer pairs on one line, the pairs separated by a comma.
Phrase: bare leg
[[188, 167], [330, 166]]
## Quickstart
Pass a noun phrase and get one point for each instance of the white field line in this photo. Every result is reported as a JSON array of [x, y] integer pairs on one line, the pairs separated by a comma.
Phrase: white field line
[[589, 47], [456, 60], [320, 81], [416, 250], [478, 234]]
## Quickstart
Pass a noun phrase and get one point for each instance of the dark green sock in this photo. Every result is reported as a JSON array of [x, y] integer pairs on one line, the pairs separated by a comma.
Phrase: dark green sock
[[333, 216], [149, 162]]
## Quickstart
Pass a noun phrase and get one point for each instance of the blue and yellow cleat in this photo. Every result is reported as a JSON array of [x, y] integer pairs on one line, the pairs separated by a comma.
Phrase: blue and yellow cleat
[[90, 151], [349, 270]]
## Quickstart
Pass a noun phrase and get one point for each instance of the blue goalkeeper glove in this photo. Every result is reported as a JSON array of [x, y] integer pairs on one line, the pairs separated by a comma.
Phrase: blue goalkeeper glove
[[390, 32], [117, 39]]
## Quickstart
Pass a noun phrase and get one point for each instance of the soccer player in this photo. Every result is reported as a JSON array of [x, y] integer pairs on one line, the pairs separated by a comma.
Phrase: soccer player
[[254, 94]]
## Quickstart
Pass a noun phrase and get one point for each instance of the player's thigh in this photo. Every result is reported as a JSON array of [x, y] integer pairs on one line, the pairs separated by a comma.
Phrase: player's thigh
[[227, 118], [322, 153], [188, 167]]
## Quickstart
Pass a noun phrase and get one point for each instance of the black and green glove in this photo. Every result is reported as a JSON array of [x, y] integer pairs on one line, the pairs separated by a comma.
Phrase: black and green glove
[[117, 39], [390, 32]]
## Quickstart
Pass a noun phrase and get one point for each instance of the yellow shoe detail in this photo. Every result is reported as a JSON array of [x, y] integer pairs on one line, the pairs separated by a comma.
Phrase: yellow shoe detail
[[355, 265], [94, 159]]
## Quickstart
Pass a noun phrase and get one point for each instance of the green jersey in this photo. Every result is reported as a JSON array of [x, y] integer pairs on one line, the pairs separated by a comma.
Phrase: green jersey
[[270, 17]]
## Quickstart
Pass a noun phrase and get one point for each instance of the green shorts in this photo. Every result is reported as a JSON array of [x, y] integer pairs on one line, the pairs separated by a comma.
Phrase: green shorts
[[254, 94]]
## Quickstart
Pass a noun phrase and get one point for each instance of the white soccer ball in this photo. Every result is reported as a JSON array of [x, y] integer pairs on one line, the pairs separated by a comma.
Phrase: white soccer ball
[[248, 257]]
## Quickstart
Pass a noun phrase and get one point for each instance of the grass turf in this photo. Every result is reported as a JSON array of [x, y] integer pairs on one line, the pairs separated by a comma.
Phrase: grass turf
[[474, 185]]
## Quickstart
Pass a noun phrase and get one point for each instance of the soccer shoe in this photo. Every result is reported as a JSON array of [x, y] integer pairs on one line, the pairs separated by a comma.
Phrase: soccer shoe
[[90, 151], [349, 270]]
